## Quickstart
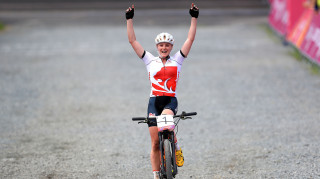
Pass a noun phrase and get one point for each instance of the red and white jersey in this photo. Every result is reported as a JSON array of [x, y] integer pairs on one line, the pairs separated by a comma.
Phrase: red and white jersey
[[163, 77]]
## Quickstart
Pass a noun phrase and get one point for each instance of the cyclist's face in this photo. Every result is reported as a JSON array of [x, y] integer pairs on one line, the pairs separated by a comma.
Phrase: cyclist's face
[[164, 49]]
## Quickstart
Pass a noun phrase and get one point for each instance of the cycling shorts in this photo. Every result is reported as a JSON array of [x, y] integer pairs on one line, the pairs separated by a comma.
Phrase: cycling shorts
[[158, 104]]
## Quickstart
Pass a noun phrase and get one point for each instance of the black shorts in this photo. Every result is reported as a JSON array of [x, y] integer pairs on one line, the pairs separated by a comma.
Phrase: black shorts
[[158, 104]]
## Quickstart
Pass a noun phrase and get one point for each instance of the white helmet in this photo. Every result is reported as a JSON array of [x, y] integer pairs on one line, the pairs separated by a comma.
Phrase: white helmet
[[164, 37]]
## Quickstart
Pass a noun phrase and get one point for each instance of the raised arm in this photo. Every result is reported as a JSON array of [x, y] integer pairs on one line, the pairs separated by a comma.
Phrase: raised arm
[[131, 35], [194, 12]]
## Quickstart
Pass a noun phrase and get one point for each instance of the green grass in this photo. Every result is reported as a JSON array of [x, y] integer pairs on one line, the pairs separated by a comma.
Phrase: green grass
[[295, 53], [2, 26], [315, 69], [311, 65], [270, 33]]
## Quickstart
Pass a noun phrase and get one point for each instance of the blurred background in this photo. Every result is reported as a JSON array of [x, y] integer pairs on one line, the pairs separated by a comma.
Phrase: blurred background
[[116, 4], [70, 83]]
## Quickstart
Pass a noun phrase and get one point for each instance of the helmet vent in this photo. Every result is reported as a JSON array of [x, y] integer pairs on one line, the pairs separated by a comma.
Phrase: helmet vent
[[164, 37]]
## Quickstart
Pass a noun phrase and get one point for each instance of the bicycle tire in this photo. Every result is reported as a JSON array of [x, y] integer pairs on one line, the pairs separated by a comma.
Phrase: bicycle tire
[[168, 158]]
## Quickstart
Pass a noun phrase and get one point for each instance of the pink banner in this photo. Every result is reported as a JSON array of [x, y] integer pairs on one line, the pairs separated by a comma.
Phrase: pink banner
[[311, 44], [296, 9], [279, 16], [300, 29], [284, 14]]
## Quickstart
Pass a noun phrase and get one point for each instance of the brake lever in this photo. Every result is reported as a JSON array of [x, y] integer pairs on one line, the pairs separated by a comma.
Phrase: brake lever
[[142, 122], [184, 118]]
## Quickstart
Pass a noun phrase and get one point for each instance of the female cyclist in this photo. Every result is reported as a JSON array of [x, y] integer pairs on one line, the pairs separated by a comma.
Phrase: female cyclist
[[163, 71]]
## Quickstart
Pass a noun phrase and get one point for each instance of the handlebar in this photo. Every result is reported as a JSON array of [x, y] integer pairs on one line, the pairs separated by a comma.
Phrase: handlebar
[[182, 116]]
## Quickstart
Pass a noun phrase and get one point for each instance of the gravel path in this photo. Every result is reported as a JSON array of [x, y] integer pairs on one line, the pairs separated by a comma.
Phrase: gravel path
[[70, 83]]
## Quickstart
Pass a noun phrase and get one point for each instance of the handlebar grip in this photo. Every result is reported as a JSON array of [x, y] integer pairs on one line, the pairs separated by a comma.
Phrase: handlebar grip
[[139, 118], [190, 114]]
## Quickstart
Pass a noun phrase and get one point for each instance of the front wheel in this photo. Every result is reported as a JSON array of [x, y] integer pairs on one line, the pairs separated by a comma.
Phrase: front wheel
[[168, 158]]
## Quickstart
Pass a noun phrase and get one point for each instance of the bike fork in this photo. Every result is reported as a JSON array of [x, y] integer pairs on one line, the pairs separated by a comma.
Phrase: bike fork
[[173, 147], [170, 136]]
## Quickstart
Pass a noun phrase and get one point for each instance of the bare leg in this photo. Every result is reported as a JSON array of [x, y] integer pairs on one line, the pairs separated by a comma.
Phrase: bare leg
[[155, 149]]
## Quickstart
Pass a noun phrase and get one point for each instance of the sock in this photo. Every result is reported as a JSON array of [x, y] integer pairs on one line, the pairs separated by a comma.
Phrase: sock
[[156, 174]]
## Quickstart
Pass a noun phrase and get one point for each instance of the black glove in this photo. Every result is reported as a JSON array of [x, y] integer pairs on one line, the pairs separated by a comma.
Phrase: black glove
[[194, 12], [130, 13]]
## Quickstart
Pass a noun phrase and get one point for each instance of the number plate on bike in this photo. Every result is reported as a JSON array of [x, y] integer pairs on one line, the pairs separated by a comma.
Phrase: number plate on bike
[[165, 122]]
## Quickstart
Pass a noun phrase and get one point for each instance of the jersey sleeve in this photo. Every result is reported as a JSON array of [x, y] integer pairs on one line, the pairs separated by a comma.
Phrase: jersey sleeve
[[147, 58], [179, 57]]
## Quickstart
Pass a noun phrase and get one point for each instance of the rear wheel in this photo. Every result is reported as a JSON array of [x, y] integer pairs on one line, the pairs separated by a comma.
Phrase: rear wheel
[[168, 158]]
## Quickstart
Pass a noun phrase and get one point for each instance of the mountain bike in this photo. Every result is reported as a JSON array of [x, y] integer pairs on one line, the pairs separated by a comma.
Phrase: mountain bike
[[166, 125]]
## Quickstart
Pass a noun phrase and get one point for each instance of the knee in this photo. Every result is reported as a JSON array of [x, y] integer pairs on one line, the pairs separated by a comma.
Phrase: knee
[[155, 145]]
